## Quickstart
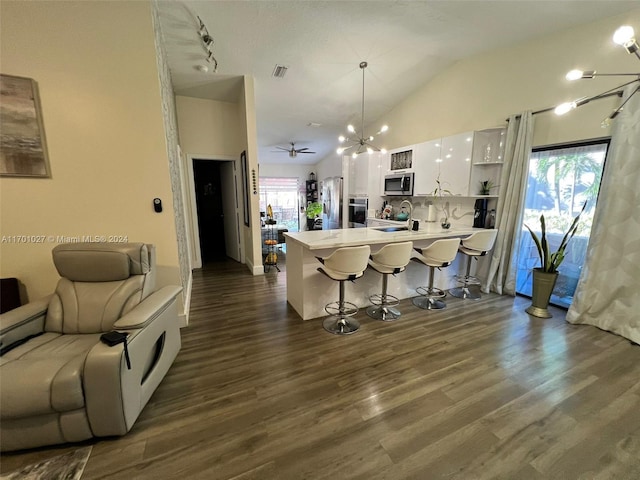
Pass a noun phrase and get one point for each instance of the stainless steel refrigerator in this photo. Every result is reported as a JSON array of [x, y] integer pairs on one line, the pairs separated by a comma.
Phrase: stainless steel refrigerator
[[332, 203]]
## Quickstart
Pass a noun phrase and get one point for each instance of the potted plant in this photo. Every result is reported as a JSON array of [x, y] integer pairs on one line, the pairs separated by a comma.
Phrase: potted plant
[[441, 192], [545, 276], [486, 186], [313, 210]]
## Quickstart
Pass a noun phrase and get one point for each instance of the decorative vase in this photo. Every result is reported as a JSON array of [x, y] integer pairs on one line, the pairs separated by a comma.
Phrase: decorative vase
[[543, 283]]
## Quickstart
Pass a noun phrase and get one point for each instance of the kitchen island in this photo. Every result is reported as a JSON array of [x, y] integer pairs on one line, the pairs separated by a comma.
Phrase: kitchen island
[[308, 291]]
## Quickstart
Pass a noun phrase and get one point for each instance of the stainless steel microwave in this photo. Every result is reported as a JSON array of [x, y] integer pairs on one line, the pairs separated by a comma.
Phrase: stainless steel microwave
[[399, 184]]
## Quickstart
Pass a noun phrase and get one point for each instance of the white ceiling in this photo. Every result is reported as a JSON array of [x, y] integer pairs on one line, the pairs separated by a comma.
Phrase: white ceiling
[[322, 43]]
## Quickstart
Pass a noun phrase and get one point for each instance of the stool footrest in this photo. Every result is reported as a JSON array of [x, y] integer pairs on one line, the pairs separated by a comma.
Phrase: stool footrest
[[470, 280], [384, 300], [347, 309], [431, 292]]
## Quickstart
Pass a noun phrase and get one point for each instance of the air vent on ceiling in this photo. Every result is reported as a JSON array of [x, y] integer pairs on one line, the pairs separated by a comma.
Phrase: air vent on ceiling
[[279, 71]]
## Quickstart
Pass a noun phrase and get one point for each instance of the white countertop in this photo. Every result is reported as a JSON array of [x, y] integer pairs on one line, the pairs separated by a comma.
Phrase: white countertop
[[347, 237]]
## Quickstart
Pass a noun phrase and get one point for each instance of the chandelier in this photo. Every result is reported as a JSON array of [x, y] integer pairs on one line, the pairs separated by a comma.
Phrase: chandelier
[[358, 139], [624, 36]]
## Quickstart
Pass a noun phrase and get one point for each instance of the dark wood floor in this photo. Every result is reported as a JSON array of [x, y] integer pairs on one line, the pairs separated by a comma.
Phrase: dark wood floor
[[479, 390]]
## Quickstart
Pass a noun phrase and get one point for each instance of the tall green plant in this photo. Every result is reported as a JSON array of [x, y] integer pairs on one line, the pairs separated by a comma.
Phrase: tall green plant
[[551, 261]]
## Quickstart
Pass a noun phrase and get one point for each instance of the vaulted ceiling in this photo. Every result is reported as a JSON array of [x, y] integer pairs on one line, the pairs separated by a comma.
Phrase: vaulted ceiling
[[405, 43]]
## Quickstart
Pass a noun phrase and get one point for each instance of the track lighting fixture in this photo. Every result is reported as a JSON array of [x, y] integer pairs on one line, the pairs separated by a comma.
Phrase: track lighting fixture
[[207, 43], [624, 36]]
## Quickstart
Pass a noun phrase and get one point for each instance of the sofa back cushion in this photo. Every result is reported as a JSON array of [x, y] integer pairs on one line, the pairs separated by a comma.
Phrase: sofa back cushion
[[100, 283]]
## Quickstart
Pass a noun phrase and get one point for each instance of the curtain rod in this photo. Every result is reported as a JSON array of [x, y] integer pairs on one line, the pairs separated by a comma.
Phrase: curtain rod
[[619, 93]]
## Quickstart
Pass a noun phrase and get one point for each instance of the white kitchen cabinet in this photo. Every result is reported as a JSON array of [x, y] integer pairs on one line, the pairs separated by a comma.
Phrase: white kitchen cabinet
[[358, 176], [401, 160], [426, 167], [455, 168], [374, 181]]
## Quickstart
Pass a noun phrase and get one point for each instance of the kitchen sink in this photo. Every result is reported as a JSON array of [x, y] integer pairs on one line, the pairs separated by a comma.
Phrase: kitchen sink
[[392, 229]]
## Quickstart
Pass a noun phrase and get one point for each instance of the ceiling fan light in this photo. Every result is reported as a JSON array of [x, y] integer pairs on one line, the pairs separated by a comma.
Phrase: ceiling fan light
[[354, 155], [340, 150], [351, 129], [369, 150], [383, 150], [384, 128], [371, 138], [342, 138]]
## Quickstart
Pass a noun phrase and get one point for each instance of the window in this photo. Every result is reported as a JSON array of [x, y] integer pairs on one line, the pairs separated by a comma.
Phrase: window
[[560, 180], [282, 194]]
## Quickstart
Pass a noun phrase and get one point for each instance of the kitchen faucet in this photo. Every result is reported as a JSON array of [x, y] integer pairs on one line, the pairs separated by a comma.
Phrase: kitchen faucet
[[410, 212]]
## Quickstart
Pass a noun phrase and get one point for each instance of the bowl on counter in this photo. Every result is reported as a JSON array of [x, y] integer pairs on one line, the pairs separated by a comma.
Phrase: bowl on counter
[[402, 216]]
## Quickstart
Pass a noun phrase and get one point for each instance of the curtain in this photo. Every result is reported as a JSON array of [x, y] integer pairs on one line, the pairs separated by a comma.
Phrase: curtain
[[608, 294], [513, 182]]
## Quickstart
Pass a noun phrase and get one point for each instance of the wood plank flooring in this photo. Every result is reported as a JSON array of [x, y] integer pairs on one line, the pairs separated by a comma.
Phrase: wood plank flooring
[[479, 390]]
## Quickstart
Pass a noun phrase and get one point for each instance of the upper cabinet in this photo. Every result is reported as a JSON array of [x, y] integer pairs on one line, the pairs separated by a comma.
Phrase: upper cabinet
[[401, 160], [426, 167], [455, 167], [358, 175]]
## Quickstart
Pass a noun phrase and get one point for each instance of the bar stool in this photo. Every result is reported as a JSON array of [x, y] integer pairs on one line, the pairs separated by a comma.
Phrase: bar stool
[[347, 263], [474, 246], [439, 254], [390, 259]]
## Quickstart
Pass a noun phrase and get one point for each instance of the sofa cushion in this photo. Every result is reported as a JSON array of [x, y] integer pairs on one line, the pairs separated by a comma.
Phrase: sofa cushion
[[44, 375]]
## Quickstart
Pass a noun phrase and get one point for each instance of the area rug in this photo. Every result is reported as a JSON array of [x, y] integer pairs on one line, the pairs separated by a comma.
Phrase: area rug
[[68, 466]]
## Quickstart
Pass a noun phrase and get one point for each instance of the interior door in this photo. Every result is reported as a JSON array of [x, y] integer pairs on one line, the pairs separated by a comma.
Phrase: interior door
[[229, 184]]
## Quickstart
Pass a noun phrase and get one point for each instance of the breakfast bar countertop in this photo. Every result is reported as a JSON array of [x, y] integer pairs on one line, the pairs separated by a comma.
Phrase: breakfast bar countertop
[[346, 237]]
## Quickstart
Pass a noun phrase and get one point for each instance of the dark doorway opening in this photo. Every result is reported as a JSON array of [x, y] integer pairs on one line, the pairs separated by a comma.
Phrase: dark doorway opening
[[207, 182]]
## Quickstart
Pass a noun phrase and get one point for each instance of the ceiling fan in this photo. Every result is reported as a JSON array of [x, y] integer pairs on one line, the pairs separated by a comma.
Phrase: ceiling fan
[[293, 151]]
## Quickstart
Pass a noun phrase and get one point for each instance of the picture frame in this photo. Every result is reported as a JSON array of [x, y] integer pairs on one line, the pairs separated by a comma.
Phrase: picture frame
[[245, 187], [23, 149]]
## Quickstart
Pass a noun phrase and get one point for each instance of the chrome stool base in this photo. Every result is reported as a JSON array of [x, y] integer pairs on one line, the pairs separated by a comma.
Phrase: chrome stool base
[[347, 309], [341, 325], [428, 299], [464, 292], [428, 303], [386, 313]]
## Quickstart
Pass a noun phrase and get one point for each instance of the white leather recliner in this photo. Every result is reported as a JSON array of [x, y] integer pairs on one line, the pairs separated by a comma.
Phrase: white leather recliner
[[58, 381]]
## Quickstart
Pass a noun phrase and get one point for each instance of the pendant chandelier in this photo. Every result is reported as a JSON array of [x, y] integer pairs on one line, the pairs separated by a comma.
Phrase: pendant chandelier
[[624, 37], [357, 139]]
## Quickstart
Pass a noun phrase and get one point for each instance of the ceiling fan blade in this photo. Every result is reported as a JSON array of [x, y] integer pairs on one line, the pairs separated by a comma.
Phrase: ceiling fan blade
[[302, 149], [305, 152], [284, 149]]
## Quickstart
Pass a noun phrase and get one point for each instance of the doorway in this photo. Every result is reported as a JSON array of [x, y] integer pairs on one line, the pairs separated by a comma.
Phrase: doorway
[[561, 179], [209, 206]]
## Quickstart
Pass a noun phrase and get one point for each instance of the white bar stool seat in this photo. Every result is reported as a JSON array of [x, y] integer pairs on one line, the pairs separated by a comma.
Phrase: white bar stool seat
[[347, 263], [389, 260], [439, 254], [474, 246]]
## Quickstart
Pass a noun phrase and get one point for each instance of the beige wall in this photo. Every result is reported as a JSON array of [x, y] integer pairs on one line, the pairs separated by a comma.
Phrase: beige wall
[[95, 65], [483, 91], [209, 127]]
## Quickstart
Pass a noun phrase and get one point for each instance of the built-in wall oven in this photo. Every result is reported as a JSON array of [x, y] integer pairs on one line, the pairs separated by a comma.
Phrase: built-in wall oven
[[357, 212]]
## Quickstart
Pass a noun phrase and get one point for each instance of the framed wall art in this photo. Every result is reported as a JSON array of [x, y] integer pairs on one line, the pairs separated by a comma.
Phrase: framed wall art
[[23, 151]]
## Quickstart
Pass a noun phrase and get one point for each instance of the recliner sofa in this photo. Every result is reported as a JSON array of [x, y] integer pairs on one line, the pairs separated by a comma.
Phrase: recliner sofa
[[58, 381]]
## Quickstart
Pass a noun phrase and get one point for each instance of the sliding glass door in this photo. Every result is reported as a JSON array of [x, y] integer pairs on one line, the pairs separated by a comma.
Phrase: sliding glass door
[[561, 180]]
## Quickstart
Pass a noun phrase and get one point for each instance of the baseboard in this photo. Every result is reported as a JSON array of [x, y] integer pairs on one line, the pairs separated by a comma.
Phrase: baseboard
[[183, 318], [254, 269]]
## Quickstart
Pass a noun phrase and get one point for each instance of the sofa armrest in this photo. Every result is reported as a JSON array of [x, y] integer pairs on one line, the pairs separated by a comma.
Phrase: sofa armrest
[[22, 322], [115, 395], [148, 309]]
